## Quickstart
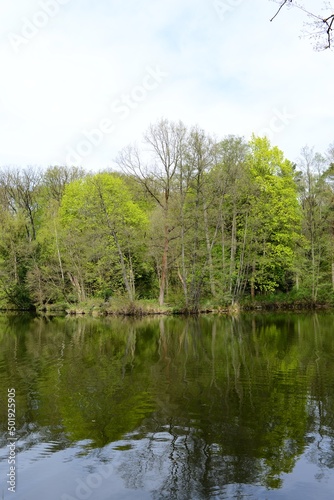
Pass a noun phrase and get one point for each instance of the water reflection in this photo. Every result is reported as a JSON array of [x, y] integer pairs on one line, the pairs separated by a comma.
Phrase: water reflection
[[193, 408]]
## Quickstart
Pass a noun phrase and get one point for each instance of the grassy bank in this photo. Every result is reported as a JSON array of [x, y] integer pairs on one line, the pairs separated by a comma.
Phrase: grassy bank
[[120, 307], [286, 301], [123, 307]]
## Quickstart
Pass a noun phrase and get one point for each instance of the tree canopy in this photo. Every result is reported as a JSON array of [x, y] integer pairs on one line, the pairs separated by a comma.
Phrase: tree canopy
[[190, 220]]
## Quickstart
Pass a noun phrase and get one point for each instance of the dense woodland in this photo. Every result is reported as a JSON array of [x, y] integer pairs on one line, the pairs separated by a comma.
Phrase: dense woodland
[[186, 220]]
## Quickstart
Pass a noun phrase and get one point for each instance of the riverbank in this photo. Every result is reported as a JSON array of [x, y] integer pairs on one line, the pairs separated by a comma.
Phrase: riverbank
[[121, 307]]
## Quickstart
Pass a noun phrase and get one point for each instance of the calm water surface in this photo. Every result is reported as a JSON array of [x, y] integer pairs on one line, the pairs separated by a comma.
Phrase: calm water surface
[[172, 408]]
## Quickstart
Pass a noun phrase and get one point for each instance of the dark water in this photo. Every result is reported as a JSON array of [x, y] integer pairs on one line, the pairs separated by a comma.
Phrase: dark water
[[172, 408]]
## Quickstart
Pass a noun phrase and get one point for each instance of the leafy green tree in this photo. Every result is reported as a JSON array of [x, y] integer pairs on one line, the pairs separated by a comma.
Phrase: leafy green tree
[[191, 247], [230, 183], [316, 198], [20, 210], [99, 207], [15, 259], [274, 220], [46, 277]]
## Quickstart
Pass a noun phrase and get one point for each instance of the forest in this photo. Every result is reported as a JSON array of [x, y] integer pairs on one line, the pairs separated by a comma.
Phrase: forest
[[185, 221]]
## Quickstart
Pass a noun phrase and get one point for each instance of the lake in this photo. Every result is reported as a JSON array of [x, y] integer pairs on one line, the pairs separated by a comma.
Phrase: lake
[[167, 408]]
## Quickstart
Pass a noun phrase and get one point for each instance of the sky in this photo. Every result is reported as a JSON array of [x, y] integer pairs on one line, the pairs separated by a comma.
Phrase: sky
[[81, 79]]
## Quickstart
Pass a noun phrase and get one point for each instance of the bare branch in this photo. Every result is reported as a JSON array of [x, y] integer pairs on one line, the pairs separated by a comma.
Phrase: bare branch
[[281, 7], [322, 27]]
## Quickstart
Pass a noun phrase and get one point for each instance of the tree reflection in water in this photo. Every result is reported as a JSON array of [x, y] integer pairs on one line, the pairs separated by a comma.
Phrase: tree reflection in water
[[205, 407]]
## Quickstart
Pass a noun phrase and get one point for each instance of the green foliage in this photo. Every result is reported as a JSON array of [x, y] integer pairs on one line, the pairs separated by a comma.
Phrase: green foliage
[[99, 208], [275, 216], [209, 222], [89, 201]]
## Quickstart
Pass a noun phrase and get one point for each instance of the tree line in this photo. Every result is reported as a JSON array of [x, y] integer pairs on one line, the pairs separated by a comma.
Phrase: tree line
[[186, 220]]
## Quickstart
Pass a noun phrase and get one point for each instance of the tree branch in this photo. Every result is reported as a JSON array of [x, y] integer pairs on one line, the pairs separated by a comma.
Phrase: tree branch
[[281, 7], [318, 22]]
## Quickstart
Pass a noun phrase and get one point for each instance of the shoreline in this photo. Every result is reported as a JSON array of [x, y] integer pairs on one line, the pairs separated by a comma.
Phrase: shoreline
[[140, 309]]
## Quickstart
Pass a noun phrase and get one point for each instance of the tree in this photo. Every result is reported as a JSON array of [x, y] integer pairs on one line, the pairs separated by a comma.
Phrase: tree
[[165, 141], [192, 244], [274, 219], [316, 198], [231, 184], [320, 25], [15, 259], [46, 278], [56, 178], [99, 207], [20, 190], [20, 215]]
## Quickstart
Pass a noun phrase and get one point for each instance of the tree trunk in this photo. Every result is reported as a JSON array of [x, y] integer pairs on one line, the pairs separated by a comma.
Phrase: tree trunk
[[233, 248], [78, 288], [241, 268], [59, 259], [129, 287], [164, 268], [183, 276], [209, 252], [123, 267], [252, 281]]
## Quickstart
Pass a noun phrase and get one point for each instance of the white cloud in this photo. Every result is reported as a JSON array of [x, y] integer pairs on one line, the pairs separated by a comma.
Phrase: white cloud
[[227, 75]]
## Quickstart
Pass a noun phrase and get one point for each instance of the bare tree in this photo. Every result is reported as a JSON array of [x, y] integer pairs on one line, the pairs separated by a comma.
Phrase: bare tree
[[20, 190], [57, 177], [165, 142], [319, 26]]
